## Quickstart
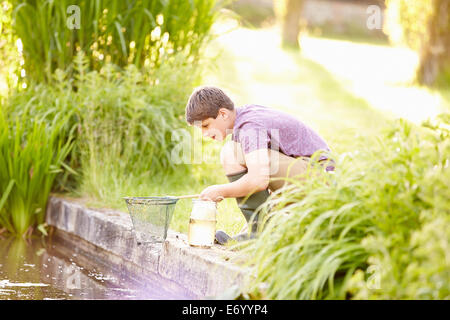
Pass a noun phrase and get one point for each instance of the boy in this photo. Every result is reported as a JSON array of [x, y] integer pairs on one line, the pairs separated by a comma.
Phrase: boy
[[266, 144]]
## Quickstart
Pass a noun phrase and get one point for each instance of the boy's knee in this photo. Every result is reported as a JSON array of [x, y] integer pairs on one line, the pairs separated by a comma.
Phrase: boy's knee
[[231, 158], [226, 154]]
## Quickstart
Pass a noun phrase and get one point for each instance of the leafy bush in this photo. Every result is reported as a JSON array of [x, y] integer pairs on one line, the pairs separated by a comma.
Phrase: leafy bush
[[413, 257], [376, 228], [121, 32]]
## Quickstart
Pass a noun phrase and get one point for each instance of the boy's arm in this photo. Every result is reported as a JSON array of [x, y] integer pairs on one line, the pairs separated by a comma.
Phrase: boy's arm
[[256, 179]]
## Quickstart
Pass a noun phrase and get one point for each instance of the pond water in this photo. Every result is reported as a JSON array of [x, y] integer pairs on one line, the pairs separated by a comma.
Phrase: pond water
[[40, 269]]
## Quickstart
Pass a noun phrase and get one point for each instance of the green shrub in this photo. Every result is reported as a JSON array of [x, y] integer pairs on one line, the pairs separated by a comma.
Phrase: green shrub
[[365, 231], [412, 257]]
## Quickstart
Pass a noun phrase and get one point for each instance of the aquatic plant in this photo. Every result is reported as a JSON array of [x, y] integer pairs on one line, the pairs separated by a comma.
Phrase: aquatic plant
[[31, 155]]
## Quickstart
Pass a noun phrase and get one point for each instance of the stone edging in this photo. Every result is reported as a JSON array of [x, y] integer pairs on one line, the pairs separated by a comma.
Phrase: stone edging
[[204, 272]]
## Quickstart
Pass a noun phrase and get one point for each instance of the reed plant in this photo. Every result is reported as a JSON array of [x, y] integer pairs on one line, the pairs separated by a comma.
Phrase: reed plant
[[122, 32], [375, 228], [31, 155]]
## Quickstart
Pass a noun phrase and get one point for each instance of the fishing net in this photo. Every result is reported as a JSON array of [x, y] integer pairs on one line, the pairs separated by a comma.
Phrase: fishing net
[[151, 217]]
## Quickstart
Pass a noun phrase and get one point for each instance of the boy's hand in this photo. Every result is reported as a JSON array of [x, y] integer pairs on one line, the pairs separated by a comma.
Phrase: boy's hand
[[212, 193]]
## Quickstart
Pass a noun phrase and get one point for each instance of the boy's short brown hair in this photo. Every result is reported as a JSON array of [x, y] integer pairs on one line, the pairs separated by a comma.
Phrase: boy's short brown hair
[[205, 103]]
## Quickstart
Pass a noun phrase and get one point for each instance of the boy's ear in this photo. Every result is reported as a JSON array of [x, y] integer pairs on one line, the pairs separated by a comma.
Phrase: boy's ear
[[224, 113]]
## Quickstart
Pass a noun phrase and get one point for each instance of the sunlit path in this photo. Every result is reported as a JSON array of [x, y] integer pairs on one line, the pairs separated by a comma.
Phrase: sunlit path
[[256, 69], [379, 74]]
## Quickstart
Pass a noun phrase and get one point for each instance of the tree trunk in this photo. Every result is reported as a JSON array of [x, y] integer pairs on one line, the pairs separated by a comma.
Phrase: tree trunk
[[435, 53], [291, 23]]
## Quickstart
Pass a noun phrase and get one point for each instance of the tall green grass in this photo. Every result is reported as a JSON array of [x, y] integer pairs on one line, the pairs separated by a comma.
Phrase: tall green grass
[[126, 134], [376, 228], [31, 155], [122, 32]]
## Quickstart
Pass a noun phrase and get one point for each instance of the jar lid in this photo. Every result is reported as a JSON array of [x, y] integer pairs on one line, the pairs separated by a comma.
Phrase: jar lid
[[203, 210], [204, 201]]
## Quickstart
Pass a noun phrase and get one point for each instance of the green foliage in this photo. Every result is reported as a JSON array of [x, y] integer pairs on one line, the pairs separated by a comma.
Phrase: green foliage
[[127, 124], [376, 228], [31, 155], [140, 32], [9, 59], [413, 257], [117, 86], [124, 122], [408, 21]]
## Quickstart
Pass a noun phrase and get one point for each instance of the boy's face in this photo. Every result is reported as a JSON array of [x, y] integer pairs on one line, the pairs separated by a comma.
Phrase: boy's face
[[219, 127]]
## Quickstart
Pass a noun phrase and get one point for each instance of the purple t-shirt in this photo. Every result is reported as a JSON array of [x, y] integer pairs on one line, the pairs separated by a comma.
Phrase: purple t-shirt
[[257, 127]]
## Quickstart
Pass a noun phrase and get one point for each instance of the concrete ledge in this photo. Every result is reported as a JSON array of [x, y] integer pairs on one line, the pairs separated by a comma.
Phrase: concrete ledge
[[109, 265], [204, 272]]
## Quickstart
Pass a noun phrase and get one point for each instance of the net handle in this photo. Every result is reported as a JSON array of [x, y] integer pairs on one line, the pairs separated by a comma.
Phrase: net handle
[[188, 196], [220, 198]]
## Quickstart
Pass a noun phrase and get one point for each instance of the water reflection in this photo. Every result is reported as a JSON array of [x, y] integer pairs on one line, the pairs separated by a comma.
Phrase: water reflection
[[20, 270], [40, 269]]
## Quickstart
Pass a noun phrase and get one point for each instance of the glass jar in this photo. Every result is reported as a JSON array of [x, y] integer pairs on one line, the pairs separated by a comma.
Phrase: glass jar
[[202, 223]]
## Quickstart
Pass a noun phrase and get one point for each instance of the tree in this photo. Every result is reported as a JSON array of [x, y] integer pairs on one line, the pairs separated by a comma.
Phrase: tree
[[425, 27], [289, 12]]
